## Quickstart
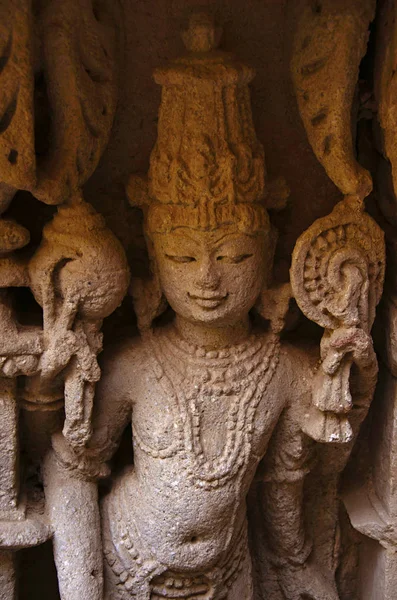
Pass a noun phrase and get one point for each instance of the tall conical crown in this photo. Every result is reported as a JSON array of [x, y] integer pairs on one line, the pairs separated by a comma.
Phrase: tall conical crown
[[207, 168]]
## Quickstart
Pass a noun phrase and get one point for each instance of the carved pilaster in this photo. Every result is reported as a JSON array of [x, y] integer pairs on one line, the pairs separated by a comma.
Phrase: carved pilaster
[[58, 91], [373, 507]]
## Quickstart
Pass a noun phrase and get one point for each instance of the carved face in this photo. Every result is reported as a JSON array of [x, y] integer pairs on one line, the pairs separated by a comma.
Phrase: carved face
[[211, 277]]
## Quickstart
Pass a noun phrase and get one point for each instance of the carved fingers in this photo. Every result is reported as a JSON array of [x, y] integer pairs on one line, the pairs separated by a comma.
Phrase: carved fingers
[[332, 392], [60, 349], [353, 342]]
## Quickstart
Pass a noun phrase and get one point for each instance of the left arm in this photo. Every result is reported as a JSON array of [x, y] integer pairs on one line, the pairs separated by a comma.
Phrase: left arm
[[288, 460]]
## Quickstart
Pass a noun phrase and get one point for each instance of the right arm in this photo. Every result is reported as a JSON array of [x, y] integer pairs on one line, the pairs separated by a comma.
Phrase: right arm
[[111, 414], [71, 488]]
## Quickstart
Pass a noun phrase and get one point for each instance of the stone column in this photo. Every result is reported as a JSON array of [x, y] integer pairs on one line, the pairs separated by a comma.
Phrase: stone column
[[8, 587], [8, 448], [372, 507]]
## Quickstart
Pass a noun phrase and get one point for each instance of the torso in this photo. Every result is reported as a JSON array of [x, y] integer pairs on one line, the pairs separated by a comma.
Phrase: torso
[[201, 423]]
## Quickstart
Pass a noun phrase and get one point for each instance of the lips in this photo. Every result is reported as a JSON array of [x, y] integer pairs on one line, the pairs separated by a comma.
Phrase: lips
[[208, 302]]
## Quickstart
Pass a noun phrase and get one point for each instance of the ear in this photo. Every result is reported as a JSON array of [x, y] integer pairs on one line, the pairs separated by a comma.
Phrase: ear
[[273, 305], [149, 300], [270, 250]]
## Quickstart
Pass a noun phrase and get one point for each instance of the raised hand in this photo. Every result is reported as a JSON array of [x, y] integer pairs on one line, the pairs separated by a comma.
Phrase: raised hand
[[353, 342]]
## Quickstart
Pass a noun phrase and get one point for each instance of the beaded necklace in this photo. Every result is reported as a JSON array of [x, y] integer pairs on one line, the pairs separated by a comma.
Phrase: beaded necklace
[[237, 374]]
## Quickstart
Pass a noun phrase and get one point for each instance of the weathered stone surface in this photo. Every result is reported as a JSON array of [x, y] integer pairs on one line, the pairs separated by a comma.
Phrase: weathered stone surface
[[385, 85], [199, 386], [371, 500], [242, 420], [7, 576], [57, 103], [61, 52], [330, 42], [9, 484], [17, 157]]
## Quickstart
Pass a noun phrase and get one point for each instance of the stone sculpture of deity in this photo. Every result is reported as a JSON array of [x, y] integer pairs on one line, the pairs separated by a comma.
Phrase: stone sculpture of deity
[[211, 386]]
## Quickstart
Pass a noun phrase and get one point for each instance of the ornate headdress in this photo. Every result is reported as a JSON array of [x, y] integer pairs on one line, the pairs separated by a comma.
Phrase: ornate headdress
[[207, 168]]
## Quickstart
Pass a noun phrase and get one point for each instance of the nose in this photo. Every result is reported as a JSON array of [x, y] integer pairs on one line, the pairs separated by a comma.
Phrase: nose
[[207, 276]]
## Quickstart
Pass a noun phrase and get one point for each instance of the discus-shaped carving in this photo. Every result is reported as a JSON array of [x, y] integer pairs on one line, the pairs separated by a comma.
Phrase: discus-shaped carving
[[337, 277], [338, 267]]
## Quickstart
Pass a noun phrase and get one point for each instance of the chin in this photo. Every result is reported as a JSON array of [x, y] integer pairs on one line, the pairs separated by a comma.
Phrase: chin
[[216, 317], [223, 315]]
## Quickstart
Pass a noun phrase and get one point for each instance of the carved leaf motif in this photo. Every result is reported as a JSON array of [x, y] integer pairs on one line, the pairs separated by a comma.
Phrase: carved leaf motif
[[17, 157], [79, 61], [330, 42]]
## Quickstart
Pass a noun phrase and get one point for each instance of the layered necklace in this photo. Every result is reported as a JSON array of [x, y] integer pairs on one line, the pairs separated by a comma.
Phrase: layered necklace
[[238, 375]]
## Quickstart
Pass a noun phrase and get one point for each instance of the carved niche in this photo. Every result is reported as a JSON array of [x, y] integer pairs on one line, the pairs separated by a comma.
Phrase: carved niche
[[232, 414]]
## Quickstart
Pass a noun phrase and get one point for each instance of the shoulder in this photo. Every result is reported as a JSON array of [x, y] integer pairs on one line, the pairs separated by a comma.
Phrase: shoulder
[[298, 363], [121, 364], [118, 355]]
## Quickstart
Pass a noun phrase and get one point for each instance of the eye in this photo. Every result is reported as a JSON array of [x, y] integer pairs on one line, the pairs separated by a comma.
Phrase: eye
[[234, 259], [180, 259]]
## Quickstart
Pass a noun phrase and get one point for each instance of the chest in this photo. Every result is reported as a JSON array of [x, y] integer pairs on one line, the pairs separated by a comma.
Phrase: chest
[[216, 415], [210, 415]]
